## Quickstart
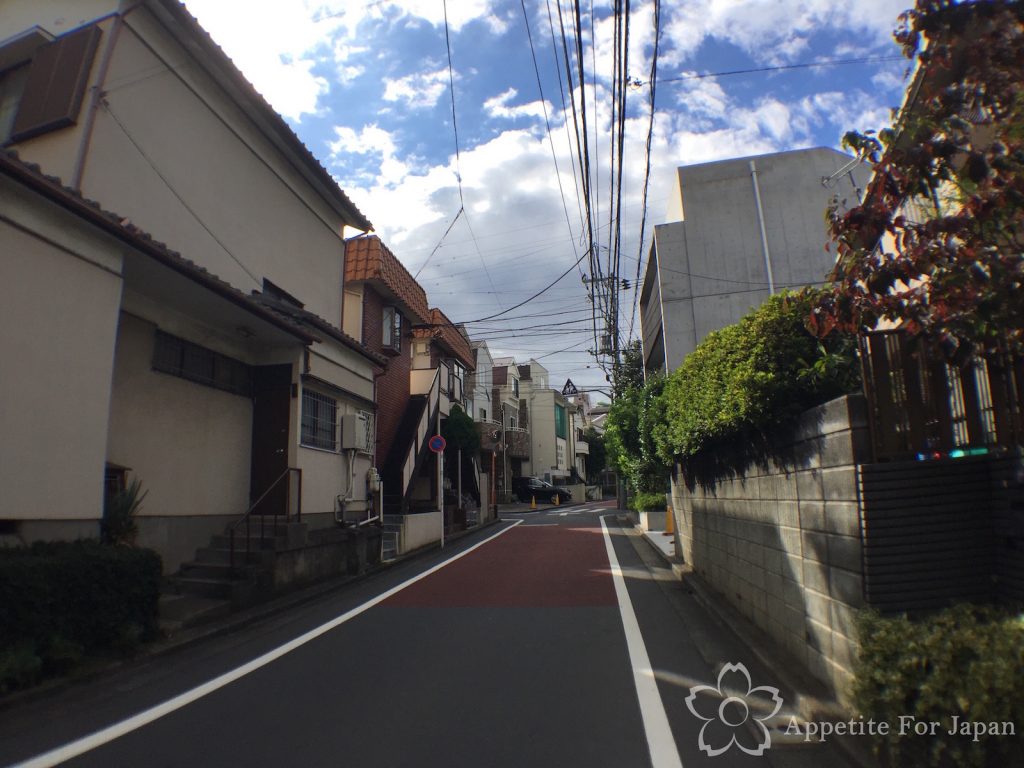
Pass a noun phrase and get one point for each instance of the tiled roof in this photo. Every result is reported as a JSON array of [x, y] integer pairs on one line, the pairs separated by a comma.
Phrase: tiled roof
[[53, 189], [306, 318], [442, 330], [452, 338], [368, 259], [300, 323]]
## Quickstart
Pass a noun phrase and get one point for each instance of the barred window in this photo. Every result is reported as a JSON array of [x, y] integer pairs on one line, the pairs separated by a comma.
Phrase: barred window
[[186, 360], [319, 421]]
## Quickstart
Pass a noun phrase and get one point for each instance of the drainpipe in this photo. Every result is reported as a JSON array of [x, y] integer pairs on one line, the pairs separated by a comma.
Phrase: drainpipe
[[764, 234], [440, 465], [95, 98]]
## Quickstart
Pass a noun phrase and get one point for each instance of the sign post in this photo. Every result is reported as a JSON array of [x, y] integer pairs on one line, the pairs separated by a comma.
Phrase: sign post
[[437, 445]]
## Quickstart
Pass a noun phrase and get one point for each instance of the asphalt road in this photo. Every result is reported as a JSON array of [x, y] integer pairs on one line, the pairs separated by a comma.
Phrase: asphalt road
[[553, 639]]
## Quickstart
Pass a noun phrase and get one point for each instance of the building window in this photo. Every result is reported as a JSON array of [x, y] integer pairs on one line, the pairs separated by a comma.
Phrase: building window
[[483, 414], [319, 421], [186, 360], [513, 423], [12, 85], [515, 387], [456, 377], [561, 424], [391, 335]]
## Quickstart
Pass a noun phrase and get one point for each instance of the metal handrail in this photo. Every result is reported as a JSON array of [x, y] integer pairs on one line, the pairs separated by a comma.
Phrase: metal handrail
[[247, 517]]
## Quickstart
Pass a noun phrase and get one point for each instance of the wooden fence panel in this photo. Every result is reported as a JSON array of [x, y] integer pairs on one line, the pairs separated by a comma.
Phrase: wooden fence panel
[[927, 533]]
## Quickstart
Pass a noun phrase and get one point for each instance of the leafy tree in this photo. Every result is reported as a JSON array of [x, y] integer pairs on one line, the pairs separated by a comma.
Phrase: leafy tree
[[597, 459], [629, 371], [948, 266], [629, 438], [459, 431]]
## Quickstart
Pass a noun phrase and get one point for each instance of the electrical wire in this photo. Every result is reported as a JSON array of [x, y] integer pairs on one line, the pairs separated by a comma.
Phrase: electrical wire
[[547, 123], [779, 68]]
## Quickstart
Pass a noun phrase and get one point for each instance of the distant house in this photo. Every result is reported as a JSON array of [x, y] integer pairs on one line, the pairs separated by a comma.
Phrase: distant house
[[739, 230], [512, 413], [429, 361], [213, 369]]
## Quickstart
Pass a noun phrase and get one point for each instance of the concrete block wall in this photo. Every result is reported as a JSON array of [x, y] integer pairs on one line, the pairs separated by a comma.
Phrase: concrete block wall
[[782, 542]]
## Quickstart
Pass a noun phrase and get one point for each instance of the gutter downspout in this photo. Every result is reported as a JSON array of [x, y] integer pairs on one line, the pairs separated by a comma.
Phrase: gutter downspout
[[764, 234], [96, 94]]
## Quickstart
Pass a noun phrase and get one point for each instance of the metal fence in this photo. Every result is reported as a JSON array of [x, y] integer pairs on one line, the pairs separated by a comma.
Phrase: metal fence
[[922, 406]]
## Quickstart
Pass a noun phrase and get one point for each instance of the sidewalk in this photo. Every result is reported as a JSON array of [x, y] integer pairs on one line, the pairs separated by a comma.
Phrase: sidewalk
[[812, 701]]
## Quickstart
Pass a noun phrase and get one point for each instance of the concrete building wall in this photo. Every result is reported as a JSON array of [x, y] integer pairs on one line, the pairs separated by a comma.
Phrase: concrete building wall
[[55, 16], [61, 288], [483, 382], [208, 182], [188, 444], [710, 267], [544, 451], [782, 544]]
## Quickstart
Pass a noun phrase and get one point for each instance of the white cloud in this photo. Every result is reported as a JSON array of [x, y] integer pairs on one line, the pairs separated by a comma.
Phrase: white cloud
[[277, 43], [773, 30], [420, 90], [498, 107]]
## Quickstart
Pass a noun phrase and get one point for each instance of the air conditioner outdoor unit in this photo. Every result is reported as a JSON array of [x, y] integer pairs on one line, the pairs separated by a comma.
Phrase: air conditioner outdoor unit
[[355, 433]]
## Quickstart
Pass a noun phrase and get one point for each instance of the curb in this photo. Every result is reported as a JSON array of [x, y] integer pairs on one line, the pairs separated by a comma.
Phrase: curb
[[809, 706]]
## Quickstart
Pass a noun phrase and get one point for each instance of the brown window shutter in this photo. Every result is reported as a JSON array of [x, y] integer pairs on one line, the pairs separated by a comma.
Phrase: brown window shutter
[[56, 83]]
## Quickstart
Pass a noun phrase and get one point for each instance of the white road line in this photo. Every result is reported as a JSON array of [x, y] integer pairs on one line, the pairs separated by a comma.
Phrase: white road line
[[660, 742], [108, 734]]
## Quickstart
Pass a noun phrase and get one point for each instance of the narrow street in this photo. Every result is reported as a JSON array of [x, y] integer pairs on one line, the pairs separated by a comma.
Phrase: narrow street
[[514, 646]]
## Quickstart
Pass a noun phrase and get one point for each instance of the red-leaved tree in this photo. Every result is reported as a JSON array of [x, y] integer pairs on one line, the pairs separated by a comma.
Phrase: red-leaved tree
[[936, 247]]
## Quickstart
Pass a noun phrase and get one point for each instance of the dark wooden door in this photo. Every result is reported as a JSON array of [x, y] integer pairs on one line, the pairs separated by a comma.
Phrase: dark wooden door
[[272, 391]]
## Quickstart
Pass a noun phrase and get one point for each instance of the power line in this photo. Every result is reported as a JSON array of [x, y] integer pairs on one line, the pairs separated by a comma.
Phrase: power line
[[647, 164], [538, 293], [547, 123], [436, 247], [779, 68]]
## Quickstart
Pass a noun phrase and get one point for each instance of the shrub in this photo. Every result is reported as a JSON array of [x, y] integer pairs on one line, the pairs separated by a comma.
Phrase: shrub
[[966, 661], [648, 502], [753, 375], [62, 601], [118, 525]]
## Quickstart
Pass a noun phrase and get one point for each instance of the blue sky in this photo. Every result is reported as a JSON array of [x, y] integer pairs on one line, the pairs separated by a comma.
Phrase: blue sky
[[366, 87]]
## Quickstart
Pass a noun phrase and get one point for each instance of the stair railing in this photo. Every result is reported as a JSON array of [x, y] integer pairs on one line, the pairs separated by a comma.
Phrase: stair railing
[[247, 517]]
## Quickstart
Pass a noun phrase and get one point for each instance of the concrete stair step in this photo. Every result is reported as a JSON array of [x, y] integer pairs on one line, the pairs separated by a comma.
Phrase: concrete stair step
[[256, 543], [207, 586], [215, 570], [181, 611], [219, 555]]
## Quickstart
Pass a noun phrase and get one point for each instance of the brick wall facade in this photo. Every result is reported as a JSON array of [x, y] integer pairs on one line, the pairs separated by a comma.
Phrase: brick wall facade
[[393, 384]]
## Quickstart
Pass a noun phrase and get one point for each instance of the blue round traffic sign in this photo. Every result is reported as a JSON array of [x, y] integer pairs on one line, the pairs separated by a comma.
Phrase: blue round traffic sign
[[437, 444]]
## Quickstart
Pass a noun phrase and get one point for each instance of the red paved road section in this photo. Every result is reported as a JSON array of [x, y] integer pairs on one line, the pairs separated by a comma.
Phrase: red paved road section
[[530, 566]]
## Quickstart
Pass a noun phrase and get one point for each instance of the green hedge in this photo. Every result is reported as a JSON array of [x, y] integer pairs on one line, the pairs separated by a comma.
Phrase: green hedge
[[648, 502], [752, 375], [60, 602], [966, 661]]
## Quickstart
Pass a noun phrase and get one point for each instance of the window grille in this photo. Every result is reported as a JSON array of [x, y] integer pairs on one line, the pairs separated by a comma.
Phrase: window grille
[[186, 360], [319, 421]]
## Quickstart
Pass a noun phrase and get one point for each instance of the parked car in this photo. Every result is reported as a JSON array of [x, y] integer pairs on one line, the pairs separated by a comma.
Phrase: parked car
[[527, 489]]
